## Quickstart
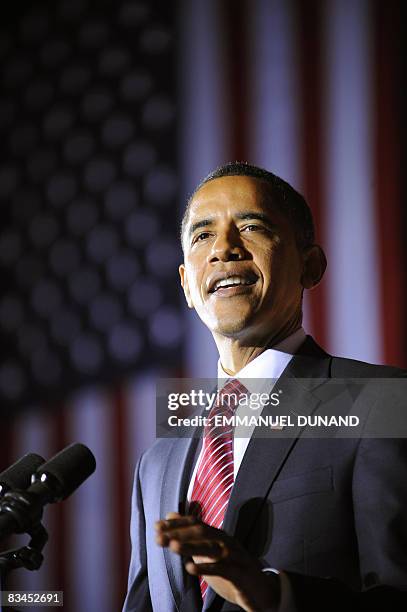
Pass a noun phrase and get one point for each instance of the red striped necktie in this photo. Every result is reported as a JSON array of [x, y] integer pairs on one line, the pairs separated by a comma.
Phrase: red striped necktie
[[215, 473]]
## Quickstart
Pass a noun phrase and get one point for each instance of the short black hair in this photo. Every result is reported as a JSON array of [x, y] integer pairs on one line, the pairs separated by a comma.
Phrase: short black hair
[[289, 201]]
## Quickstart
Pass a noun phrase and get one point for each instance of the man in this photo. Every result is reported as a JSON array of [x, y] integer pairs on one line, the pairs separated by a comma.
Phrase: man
[[328, 514]]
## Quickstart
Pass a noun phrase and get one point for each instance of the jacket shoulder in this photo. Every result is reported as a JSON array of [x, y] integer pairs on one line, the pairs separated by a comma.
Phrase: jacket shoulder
[[342, 367]]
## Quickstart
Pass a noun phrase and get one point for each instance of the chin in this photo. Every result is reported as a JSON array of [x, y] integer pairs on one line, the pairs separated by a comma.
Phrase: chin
[[231, 327], [230, 324]]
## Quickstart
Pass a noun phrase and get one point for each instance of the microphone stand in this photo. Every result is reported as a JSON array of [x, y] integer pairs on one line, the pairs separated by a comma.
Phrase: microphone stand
[[29, 556], [16, 504]]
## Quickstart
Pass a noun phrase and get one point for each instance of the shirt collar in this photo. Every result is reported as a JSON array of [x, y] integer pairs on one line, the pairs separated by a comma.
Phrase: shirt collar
[[271, 363]]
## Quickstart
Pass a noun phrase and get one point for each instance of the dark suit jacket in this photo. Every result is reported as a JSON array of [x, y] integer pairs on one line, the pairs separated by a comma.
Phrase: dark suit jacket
[[330, 512]]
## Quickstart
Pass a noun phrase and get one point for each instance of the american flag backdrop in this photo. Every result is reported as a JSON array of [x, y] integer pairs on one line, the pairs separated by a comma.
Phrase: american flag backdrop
[[110, 113]]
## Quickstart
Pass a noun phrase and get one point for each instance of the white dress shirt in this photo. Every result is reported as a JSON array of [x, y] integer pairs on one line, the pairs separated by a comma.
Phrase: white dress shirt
[[267, 367]]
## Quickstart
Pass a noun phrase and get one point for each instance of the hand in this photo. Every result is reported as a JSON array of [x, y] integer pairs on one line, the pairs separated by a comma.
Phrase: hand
[[226, 566]]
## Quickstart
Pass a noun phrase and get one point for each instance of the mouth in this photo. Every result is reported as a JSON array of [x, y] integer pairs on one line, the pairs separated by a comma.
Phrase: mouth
[[234, 284]]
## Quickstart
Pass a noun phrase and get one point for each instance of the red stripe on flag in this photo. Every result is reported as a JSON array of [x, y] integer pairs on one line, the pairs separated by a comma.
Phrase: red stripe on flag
[[234, 28], [388, 181], [309, 19]]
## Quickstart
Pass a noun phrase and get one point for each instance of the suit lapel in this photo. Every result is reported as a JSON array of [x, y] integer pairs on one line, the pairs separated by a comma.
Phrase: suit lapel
[[265, 457], [173, 496], [262, 463]]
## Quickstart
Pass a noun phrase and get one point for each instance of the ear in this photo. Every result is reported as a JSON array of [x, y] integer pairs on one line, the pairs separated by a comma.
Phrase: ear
[[314, 265], [184, 284]]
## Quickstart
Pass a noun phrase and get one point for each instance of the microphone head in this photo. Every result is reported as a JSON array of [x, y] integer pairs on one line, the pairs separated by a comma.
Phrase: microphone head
[[18, 475], [69, 468]]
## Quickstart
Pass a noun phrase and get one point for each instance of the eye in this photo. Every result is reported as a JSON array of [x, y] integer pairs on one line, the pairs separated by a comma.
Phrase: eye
[[200, 237], [252, 228]]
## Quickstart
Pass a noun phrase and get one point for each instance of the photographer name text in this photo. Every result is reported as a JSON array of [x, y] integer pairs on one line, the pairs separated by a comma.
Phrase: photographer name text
[[271, 421]]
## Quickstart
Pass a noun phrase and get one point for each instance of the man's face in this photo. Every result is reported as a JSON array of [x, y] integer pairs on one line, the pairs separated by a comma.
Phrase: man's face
[[242, 268]]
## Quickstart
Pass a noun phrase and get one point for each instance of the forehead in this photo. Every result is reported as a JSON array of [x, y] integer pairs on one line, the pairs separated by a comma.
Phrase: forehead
[[230, 196], [234, 194], [231, 192]]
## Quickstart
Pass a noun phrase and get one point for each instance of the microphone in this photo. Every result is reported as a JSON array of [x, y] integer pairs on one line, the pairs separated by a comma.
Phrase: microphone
[[64, 473], [18, 475], [53, 481]]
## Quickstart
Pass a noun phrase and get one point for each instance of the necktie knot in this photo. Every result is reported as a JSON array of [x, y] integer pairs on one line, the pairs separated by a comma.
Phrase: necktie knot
[[224, 406], [231, 393]]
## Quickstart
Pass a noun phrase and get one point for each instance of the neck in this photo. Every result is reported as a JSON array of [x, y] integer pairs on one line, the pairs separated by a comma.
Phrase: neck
[[236, 353]]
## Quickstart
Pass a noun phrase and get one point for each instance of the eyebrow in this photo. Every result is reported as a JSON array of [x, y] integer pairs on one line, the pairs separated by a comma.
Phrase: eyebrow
[[244, 216], [198, 224]]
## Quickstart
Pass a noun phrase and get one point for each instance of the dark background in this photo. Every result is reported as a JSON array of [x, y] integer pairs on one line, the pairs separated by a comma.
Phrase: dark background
[[110, 113]]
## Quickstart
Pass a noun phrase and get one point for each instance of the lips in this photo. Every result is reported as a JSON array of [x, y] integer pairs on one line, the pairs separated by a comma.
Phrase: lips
[[227, 280]]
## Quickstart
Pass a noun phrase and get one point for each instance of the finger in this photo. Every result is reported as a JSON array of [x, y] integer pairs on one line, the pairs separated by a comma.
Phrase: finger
[[165, 528], [218, 568], [173, 515], [178, 529], [186, 533], [195, 509], [191, 533], [162, 539], [180, 521], [213, 549]]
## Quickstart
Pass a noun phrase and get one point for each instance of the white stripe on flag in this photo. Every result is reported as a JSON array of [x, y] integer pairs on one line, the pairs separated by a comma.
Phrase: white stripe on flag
[[354, 327], [274, 95], [91, 516], [203, 139], [140, 415], [274, 89]]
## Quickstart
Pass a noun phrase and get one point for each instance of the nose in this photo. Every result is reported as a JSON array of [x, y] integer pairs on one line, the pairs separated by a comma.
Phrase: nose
[[228, 246]]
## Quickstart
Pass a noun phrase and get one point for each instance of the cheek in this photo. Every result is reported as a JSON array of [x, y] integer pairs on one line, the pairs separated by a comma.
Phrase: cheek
[[271, 266], [194, 279], [280, 271]]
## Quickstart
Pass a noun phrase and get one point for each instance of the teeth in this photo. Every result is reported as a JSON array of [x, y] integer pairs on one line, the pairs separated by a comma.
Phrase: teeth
[[233, 280]]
